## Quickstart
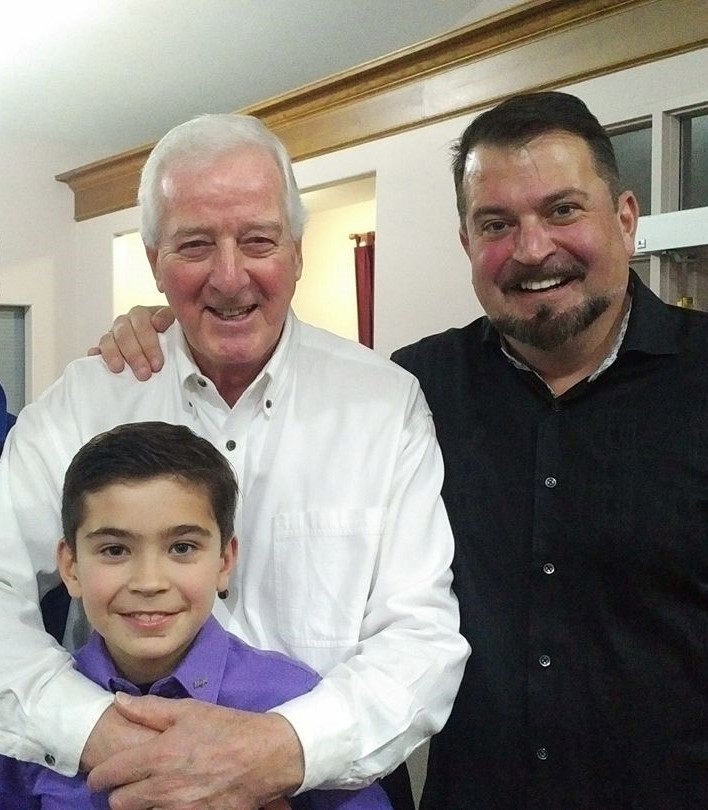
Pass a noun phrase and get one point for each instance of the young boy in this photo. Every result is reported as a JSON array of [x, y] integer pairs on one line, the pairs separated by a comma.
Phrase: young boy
[[148, 516]]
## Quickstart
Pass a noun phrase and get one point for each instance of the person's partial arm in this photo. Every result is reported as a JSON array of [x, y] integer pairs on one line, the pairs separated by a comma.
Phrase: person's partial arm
[[133, 340], [47, 709], [397, 687]]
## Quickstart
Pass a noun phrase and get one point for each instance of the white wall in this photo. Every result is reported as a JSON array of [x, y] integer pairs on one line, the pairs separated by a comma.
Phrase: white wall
[[133, 281], [37, 243], [422, 283]]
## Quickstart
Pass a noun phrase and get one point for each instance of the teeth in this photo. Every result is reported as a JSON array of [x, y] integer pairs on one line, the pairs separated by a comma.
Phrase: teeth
[[546, 284], [148, 618], [234, 313]]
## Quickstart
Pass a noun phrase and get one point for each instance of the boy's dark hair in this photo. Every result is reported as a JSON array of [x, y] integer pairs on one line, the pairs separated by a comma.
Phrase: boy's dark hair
[[520, 118], [139, 452]]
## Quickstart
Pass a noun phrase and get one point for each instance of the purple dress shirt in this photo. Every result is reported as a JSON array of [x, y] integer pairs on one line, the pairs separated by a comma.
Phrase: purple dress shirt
[[219, 668]]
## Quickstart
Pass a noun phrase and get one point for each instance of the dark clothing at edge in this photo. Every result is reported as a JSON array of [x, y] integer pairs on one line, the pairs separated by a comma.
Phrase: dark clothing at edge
[[581, 566]]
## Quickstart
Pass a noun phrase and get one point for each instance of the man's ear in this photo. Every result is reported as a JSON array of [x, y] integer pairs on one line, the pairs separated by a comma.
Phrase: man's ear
[[464, 239], [66, 563], [628, 218], [298, 254], [228, 560], [151, 254]]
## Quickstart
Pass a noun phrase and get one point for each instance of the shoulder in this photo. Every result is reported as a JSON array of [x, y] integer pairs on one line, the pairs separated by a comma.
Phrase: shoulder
[[258, 680], [88, 393], [269, 661], [442, 348], [348, 370], [695, 321]]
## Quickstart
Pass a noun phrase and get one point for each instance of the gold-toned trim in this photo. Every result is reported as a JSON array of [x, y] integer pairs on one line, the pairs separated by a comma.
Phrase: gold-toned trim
[[535, 45]]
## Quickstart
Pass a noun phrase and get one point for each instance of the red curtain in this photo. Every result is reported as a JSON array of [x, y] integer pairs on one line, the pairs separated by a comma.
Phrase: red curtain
[[364, 273]]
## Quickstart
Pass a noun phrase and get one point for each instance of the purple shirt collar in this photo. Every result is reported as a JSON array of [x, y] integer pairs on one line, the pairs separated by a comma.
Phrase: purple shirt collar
[[198, 675]]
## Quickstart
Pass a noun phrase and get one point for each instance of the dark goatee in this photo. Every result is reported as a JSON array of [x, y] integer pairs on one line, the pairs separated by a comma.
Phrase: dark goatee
[[547, 330]]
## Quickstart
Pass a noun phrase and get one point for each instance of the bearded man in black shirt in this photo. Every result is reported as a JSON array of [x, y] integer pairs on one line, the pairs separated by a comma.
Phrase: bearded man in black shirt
[[573, 423]]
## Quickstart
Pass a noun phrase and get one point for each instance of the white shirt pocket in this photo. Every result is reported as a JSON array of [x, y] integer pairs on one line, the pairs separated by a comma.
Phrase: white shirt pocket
[[325, 564]]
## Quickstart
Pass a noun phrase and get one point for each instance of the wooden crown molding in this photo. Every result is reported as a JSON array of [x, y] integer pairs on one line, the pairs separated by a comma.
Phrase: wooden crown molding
[[532, 46]]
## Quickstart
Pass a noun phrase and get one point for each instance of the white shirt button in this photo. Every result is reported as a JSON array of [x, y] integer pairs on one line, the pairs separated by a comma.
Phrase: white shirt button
[[542, 753]]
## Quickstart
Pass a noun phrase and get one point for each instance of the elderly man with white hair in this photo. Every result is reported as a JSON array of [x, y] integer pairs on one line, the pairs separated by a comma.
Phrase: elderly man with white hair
[[345, 543]]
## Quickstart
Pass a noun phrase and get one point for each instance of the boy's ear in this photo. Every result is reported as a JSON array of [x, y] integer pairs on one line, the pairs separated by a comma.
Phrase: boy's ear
[[66, 563], [228, 560]]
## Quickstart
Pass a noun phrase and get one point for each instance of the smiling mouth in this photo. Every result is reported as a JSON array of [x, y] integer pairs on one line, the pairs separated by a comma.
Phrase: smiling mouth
[[147, 618], [232, 313], [533, 285]]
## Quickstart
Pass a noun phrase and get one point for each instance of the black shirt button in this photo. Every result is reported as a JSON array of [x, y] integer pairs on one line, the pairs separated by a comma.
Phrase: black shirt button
[[49, 759], [542, 753], [544, 660], [548, 568], [550, 482], [230, 444]]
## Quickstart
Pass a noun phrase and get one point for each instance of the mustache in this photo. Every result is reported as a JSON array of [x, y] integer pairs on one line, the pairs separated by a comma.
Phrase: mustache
[[516, 274]]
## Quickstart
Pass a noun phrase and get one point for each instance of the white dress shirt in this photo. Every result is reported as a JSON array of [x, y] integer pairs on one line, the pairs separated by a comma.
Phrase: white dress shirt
[[344, 552]]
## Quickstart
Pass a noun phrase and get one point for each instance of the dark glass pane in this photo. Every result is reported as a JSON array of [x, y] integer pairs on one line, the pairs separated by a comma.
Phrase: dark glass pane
[[694, 161], [12, 355], [633, 153]]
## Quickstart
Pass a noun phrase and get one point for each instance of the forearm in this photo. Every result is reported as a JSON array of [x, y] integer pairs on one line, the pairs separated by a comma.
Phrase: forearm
[[47, 710], [369, 713]]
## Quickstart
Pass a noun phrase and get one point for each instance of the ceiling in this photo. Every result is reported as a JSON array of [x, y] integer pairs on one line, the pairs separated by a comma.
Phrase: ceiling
[[108, 76]]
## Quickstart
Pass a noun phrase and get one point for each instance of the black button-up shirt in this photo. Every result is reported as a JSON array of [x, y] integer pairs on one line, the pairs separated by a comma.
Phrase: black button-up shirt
[[581, 565]]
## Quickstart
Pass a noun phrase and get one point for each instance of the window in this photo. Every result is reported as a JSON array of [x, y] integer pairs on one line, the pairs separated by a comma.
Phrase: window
[[694, 161], [12, 356], [633, 152]]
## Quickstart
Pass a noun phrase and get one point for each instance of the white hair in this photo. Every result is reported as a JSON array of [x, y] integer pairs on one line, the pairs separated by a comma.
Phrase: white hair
[[200, 141]]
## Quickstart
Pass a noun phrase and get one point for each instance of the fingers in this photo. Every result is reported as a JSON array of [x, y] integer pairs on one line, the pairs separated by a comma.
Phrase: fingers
[[124, 344], [111, 353], [162, 318], [112, 734], [151, 711], [124, 774], [207, 756], [134, 340]]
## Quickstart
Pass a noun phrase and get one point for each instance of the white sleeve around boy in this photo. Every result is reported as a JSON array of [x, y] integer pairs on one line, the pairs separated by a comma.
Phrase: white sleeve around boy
[[47, 710]]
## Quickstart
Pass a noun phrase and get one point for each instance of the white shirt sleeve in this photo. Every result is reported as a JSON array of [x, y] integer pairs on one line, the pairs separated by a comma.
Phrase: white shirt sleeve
[[397, 687], [47, 710]]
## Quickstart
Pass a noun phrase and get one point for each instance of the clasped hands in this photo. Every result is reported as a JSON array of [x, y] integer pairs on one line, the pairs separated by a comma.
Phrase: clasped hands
[[150, 752]]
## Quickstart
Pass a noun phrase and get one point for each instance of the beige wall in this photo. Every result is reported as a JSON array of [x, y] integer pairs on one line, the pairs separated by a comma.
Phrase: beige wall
[[37, 253], [326, 293]]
